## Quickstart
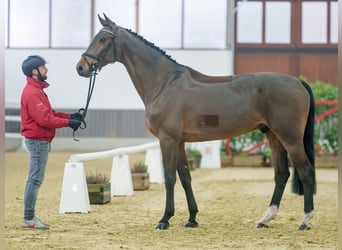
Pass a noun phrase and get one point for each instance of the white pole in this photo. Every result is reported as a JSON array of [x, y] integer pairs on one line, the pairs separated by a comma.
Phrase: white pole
[[113, 152]]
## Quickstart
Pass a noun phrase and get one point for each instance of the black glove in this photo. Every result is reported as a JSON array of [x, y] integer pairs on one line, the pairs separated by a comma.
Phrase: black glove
[[77, 116], [74, 124]]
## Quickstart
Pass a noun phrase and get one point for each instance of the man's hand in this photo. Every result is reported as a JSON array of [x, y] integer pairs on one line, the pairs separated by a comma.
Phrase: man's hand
[[74, 124], [77, 116]]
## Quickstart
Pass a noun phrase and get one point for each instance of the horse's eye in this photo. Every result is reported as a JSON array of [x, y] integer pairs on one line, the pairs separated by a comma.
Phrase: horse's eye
[[102, 40]]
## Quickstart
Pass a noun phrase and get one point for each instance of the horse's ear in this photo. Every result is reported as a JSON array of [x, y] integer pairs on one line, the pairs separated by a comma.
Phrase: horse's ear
[[102, 21], [109, 22]]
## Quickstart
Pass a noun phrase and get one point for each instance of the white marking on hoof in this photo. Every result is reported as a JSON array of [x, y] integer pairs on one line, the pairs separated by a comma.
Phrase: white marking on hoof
[[306, 219], [271, 213]]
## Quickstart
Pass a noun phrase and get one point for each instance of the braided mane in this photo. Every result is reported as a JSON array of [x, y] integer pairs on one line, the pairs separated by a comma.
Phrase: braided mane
[[152, 45]]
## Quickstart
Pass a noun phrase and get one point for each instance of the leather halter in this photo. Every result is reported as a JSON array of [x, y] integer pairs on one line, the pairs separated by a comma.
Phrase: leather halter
[[93, 67], [99, 58]]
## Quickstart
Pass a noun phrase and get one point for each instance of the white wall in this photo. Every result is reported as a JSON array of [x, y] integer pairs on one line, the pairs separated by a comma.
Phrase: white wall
[[113, 90]]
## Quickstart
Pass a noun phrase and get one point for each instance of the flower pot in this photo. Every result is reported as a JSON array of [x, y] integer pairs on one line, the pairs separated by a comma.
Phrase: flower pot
[[99, 193], [141, 181]]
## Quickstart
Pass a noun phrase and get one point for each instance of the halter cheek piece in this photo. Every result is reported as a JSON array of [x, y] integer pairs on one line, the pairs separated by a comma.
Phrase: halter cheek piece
[[99, 58]]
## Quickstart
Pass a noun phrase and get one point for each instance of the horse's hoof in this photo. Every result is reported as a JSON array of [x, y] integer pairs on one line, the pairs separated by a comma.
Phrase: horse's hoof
[[192, 224], [261, 225], [304, 227], [162, 225]]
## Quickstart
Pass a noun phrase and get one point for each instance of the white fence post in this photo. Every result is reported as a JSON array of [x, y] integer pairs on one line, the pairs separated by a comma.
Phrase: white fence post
[[74, 197], [121, 177], [211, 156], [153, 160]]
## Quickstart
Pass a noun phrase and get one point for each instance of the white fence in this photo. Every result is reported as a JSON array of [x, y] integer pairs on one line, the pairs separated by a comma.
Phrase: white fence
[[152, 159], [13, 141], [74, 197]]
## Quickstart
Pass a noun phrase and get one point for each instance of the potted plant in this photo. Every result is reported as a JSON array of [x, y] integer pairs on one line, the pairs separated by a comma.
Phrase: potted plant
[[194, 157], [140, 176], [98, 188]]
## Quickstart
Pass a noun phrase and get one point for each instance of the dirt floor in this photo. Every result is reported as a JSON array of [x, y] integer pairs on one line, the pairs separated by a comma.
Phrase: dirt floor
[[231, 200]]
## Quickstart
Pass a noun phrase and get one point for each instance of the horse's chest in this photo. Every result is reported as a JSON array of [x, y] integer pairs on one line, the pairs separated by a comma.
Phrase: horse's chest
[[153, 121], [156, 117], [149, 126]]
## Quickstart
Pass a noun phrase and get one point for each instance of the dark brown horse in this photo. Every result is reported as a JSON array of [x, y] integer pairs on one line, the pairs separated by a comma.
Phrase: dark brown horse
[[183, 105]]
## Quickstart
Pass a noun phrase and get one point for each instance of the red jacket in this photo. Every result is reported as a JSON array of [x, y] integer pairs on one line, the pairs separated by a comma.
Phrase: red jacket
[[38, 119]]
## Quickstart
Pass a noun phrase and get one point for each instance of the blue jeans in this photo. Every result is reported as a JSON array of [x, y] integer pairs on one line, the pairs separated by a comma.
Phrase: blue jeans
[[38, 151]]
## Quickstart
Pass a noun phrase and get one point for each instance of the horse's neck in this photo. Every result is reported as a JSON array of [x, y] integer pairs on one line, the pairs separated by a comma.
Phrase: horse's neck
[[147, 67]]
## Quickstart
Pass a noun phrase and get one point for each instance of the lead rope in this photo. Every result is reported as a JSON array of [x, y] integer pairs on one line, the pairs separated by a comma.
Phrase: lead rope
[[83, 111]]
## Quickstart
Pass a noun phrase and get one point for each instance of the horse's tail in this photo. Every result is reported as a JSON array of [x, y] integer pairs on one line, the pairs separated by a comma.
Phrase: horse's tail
[[297, 185]]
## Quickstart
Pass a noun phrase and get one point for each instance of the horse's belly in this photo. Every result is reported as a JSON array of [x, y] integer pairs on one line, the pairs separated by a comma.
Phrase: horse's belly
[[218, 133]]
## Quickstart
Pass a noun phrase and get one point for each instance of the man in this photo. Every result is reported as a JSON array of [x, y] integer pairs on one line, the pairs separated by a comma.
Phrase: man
[[38, 125]]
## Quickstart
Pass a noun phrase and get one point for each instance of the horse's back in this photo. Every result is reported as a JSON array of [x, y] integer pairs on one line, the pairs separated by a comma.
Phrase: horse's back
[[272, 88], [262, 82], [268, 78], [202, 78]]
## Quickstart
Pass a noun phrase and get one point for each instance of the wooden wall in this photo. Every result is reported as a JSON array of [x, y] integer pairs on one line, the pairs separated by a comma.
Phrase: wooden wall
[[314, 64]]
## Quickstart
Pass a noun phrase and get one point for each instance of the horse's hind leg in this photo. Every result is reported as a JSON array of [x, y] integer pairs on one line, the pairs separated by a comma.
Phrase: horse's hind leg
[[185, 178], [281, 175], [306, 173]]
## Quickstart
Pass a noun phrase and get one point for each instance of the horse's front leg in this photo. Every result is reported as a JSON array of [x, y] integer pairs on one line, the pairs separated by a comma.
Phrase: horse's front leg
[[169, 149], [185, 177]]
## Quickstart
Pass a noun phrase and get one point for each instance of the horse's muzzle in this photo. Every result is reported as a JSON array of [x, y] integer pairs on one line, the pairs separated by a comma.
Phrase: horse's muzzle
[[83, 69]]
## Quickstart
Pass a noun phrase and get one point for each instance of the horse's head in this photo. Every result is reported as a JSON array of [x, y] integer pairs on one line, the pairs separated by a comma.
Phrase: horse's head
[[101, 51]]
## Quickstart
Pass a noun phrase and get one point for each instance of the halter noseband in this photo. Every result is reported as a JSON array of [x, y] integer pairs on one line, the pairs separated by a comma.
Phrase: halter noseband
[[100, 57]]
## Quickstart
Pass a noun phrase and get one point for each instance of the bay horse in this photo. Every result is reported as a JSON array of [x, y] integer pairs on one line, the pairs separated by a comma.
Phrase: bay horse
[[184, 105]]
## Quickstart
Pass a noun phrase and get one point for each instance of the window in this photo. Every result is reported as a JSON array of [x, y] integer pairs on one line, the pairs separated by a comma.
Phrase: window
[[278, 22], [319, 22], [249, 22], [26, 27], [72, 24], [334, 22], [263, 22], [314, 14], [6, 24], [161, 22], [287, 24], [121, 12], [184, 23], [205, 24], [73, 32]]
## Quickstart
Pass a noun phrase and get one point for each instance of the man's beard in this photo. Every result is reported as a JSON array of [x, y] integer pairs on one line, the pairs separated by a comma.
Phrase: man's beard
[[42, 78]]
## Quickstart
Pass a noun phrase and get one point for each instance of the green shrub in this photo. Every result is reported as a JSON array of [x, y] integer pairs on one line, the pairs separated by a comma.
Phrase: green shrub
[[193, 152], [326, 128]]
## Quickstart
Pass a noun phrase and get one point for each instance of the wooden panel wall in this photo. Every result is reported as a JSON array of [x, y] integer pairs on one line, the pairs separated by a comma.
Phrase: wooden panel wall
[[314, 65]]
